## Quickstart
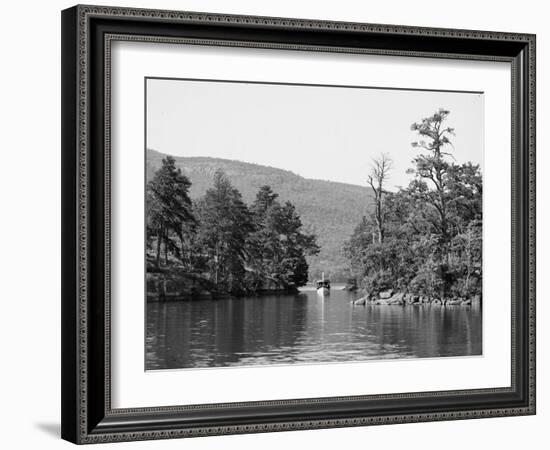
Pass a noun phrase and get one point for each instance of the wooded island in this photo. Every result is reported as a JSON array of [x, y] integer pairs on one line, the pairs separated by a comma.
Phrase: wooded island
[[423, 242]]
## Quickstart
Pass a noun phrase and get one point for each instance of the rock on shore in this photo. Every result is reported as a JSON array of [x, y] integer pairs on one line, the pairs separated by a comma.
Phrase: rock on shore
[[390, 297]]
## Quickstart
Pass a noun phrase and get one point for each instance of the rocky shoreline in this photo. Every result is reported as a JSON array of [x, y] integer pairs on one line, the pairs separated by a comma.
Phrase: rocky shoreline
[[402, 298]]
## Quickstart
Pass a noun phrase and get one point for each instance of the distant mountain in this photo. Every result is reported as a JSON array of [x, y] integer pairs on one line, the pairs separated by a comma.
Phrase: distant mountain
[[329, 209]]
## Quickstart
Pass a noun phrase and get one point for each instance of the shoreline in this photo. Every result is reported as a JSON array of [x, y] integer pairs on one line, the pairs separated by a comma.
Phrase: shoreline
[[190, 287], [400, 298], [210, 295]]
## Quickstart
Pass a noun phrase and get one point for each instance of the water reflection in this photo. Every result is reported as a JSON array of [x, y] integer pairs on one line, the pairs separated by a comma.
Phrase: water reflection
[[303, 328]]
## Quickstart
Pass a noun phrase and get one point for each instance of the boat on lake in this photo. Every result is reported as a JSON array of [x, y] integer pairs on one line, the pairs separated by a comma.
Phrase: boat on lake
[[323, 285]]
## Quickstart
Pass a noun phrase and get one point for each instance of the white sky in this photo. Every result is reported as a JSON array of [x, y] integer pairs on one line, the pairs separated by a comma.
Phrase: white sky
[[327, 133]]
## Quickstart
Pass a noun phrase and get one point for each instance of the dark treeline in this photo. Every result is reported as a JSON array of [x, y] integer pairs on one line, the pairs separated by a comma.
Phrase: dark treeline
[[232, 247], [425, 239]]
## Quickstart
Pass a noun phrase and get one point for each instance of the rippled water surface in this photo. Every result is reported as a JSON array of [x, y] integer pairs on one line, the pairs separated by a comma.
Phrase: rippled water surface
[[303, 328]]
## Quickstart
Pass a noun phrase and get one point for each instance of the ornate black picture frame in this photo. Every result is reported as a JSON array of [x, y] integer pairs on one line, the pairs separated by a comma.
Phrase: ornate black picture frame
[[87, 34]]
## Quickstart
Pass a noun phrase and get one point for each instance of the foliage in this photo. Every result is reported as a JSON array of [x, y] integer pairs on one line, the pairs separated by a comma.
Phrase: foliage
[[432, 242], [224, 223], [234, 247], [278, 245], [168, 208]]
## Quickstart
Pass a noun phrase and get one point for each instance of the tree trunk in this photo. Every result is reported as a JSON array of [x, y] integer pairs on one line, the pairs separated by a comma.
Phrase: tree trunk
[[216, 257], [159, 239], [182, 241], [378, 213]]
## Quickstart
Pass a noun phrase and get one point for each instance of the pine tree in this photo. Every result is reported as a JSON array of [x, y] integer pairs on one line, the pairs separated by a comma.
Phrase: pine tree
[[278, 246], [296, 245], [168, 208], [224, 225], [432, 170]]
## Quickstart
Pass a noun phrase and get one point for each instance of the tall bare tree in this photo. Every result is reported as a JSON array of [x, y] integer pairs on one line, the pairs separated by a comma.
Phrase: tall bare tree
[[380, 170]]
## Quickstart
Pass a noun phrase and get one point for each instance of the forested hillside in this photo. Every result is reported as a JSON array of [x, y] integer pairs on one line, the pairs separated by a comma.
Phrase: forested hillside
[[328, 209]]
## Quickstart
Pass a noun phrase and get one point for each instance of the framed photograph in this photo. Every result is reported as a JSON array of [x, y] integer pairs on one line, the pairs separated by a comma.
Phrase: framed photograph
[[277, 224]]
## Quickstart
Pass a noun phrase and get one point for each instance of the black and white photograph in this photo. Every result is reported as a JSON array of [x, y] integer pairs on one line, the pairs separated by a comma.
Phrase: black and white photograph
[[281, 219], [297, 224]]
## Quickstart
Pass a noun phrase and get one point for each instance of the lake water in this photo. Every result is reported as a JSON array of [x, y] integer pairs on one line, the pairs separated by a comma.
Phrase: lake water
[[303, 328]]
